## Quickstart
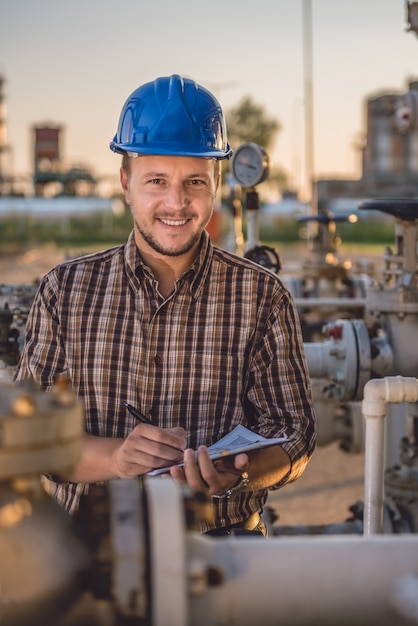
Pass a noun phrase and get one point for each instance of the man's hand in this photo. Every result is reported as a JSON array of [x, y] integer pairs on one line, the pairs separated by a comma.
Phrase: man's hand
[[148, 447], [201, 474]]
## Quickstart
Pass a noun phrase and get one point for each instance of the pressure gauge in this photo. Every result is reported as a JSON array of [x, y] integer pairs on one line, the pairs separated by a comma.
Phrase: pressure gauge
[[250, 164]]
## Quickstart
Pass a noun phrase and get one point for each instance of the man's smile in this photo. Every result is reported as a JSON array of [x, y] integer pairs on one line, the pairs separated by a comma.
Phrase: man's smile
[[171, 222]]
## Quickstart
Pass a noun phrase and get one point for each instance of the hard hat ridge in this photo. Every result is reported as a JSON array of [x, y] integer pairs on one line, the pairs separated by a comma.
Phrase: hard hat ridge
[[174, 113]]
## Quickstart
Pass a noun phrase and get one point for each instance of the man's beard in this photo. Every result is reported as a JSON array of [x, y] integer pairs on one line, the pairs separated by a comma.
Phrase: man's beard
[[168, 251]]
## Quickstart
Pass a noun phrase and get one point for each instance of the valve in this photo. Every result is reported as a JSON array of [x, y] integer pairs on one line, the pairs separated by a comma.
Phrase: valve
[[266, 256]]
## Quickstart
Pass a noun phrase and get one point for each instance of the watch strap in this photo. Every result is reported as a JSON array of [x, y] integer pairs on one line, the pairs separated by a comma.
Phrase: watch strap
[[237, 488]]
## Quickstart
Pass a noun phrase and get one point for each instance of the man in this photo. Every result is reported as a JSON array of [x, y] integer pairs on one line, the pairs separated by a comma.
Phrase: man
[[197, 339]]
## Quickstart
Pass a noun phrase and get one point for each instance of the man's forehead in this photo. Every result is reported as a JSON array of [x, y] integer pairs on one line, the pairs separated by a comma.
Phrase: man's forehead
[[169, 163]]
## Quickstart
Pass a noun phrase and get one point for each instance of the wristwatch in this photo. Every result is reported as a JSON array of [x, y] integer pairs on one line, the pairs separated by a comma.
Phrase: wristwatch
[[237, 488]]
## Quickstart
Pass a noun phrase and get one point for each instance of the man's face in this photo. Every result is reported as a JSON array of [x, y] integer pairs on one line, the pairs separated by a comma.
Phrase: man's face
[[171, 199]]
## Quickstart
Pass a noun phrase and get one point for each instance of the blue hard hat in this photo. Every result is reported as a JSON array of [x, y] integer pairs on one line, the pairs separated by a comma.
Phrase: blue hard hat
[[173, 116]]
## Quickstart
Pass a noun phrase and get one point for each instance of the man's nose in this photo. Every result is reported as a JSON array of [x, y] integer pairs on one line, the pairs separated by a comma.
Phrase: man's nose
[[177, 196]]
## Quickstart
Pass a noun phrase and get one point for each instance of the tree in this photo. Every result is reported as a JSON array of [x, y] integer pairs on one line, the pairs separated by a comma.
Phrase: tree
[[248, 121]]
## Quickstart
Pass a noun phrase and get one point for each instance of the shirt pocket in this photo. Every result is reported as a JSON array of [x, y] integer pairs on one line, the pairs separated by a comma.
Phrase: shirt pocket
[[214, 391]]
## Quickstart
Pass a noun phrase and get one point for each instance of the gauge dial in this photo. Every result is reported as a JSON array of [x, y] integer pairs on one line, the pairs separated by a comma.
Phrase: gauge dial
[[250, 164]]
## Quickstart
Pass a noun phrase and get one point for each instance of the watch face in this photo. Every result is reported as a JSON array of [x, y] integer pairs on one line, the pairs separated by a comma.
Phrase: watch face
[[249, 164]]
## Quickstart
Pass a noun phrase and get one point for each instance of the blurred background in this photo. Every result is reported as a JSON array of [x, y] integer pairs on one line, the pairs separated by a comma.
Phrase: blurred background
[[312, 81]]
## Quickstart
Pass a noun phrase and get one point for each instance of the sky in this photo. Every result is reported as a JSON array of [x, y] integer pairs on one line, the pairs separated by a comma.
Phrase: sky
[[75, 63]]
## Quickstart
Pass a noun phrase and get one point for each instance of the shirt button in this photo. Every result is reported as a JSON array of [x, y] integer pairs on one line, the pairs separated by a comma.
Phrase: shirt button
[[157, 359]]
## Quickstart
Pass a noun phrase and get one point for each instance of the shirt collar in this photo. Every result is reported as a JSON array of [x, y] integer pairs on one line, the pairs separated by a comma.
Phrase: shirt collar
[[195, 275]]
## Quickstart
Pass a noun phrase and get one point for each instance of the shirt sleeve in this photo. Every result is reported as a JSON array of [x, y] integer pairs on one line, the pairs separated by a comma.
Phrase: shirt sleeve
[[43, 355], [279, 393]]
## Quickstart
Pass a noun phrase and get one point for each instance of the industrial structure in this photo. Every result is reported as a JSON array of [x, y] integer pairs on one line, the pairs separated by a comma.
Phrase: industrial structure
[[49, 170], [5, 149], [51, 175], [389, 157]]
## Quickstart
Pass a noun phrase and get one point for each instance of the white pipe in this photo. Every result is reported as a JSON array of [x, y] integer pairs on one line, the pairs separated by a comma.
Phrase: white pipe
[[168, 568], [311, 303], [296, 581], [301, 581], [376, 395]]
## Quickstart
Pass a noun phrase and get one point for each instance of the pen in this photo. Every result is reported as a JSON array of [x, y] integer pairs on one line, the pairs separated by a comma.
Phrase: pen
[[137, 414]]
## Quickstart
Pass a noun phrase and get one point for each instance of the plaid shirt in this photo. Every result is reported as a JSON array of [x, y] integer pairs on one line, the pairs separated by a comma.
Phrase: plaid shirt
[[224, 348]]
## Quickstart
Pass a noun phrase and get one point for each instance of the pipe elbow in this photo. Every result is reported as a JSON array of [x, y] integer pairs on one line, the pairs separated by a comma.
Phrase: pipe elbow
[[378, 392]]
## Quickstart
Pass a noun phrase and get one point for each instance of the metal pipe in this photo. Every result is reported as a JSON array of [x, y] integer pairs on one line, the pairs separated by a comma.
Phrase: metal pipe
[[311, 303], [308, 93], [297, 581], [303, 581], [253, 229], [316, 355], [377, 394]]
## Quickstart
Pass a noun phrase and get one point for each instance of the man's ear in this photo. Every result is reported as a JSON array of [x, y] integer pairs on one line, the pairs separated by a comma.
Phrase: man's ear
[[124, 179]]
